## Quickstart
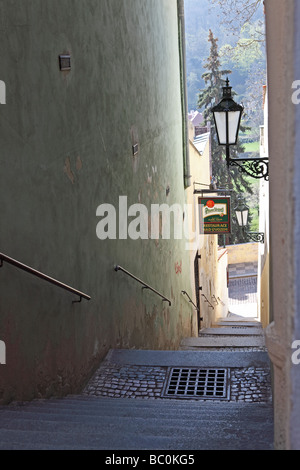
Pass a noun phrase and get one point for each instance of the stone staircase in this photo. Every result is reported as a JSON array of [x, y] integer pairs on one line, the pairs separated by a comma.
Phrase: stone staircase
[[124, 408], [77, 422], [232, 332]]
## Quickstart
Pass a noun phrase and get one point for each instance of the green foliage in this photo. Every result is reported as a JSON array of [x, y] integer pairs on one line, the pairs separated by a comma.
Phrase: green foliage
[[247, 51], [212, 78], [229, 178], [251, 147], [239, 26], [236, 13]]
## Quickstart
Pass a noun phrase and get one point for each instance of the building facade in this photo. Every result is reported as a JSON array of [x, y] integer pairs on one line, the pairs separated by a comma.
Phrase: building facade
[[283, 333], [72, 141], [93, 138], [208, 262], [264, 227]]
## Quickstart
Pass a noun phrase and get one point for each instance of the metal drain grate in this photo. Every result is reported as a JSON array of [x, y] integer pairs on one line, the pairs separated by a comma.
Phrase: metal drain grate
[[197, 383]]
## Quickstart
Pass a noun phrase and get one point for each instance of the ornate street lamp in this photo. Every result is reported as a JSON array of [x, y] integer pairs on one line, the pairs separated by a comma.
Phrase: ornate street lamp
[[227, 117], [241, 213]]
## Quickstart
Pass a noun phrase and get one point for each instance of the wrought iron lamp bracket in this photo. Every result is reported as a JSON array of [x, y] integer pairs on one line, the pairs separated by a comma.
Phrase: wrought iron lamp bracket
[[255, 167], [257, 236]]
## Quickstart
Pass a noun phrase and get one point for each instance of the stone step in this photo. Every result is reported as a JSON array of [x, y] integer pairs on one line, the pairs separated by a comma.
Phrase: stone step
[[92, 406], [37, 440], [164, 424], [243, 323], [156, 424], [232, 330], [186, 358], [218, 341], [244, 318]]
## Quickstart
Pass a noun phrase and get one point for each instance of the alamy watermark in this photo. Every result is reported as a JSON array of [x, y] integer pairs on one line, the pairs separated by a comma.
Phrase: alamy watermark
[[2, 353], [296, 354], [2, 92], [137, 222], [296, 93]]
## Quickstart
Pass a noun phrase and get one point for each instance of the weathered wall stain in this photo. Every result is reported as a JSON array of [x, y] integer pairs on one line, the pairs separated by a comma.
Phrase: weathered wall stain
[[78, 163], [68, 171], [178, 267]]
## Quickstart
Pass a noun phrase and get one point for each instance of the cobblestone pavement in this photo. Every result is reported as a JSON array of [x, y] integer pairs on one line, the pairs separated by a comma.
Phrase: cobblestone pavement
[[144, 382], [251, 384], [129, 381]]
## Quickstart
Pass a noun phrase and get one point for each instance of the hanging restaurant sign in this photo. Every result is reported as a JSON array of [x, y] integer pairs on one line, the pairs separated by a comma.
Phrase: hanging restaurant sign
[[214, 215]]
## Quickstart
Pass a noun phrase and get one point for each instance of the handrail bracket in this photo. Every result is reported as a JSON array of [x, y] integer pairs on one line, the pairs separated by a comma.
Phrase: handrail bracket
[[145, 286], [190, 300]]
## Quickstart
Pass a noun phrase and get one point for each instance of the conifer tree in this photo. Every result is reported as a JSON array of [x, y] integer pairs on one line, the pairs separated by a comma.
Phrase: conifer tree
[[229, 178], [212, 78]]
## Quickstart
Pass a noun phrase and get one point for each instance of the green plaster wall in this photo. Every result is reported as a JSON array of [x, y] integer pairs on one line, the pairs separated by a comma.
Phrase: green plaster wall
[[65, 148]]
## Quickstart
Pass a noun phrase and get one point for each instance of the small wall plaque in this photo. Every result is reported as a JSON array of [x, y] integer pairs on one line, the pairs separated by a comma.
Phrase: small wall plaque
[[135, 149], [65, 62]]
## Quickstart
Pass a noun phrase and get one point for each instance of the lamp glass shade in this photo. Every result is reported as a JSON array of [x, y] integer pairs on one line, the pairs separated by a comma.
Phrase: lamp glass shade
[[233, 118], [220, 122], [242, 216]]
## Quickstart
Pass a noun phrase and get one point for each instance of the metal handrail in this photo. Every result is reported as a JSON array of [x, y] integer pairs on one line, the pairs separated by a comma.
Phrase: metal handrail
[[40, 275], [190, 300], [145, 286], [206, 300]]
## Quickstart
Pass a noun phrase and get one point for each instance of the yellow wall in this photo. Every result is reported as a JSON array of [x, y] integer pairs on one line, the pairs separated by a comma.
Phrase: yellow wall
[[243, 253], [222, 287], [212, 270]]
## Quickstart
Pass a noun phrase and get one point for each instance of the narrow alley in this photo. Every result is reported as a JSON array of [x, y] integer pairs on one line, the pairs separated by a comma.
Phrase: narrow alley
[[150, 220]]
